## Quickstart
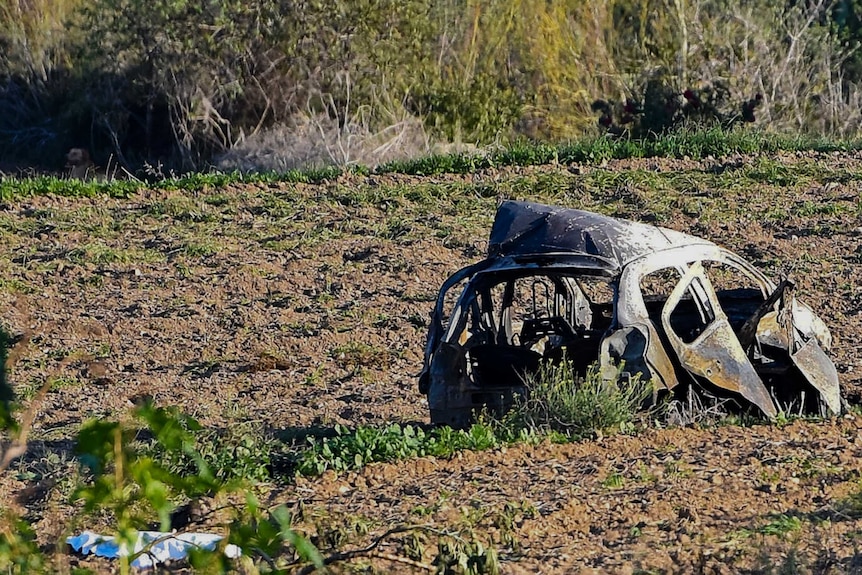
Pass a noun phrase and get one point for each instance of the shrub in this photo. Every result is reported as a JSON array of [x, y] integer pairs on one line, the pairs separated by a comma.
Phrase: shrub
[[182, 83]]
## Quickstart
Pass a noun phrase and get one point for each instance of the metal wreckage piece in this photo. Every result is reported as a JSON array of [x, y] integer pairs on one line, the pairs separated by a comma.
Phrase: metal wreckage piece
[[683, 312]]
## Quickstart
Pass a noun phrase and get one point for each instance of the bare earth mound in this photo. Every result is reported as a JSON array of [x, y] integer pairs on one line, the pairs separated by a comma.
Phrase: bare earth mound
[[296, 307]]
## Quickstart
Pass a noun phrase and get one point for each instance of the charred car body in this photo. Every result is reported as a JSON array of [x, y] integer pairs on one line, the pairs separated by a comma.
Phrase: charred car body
[[680, 310]]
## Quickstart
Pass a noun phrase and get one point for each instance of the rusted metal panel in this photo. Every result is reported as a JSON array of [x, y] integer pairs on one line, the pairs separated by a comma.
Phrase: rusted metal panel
[[819, 370]]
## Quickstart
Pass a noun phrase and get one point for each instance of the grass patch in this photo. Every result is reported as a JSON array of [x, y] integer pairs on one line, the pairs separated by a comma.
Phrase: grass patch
[[200, 248], [779, 525], [18, 188], [694, 144], [561, 401], [359, 354], [14, 285], [100, 254]]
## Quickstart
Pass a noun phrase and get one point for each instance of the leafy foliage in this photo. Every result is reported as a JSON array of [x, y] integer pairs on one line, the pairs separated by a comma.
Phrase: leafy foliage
[[239, 453], [133, 486], [355, 449], [268, 532], [465, 557], [19, 551]]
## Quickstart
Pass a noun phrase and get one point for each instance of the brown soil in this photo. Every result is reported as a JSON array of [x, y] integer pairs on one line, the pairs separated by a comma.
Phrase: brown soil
[[314, 312]]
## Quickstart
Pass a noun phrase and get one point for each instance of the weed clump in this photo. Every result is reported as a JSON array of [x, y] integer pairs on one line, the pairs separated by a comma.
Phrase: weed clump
[[559, 400], [236, 453]]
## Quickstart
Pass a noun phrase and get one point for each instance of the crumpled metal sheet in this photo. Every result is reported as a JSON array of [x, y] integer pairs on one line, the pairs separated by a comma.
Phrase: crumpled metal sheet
[[525, 228]]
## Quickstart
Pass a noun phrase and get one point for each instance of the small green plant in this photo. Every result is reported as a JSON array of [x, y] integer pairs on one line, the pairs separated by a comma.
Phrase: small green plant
[[267, 533], [458, 555], [558, 399], [359, 354], [16, 286], [614, 480], [201, 248], [241, 452], [781, 525], [357, 448]]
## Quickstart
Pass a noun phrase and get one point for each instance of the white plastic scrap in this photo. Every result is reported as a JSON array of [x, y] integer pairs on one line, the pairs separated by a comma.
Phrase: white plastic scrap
[[160, 546]]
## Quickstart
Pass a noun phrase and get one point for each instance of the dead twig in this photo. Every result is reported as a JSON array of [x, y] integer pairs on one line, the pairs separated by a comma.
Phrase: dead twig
[[404, 560], [18, 446], [368, 551]]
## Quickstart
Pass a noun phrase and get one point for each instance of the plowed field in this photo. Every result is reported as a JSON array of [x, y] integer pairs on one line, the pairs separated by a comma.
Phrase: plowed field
[[296, 307]]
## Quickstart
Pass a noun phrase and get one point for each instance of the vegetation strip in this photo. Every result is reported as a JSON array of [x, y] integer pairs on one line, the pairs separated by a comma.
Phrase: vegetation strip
[[695, 145]]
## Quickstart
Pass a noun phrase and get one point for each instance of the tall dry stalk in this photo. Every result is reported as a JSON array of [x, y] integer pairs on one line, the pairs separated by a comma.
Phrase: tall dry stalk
[[35, 37]]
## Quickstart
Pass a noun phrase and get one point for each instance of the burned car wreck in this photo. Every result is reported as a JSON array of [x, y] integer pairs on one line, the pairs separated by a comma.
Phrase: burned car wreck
[[686, 314]]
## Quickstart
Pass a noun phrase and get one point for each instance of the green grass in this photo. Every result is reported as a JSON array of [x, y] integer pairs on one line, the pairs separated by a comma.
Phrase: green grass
[[780, 525], [559, 400], [614, 480], [360, 354], [14, 285], [99, 253], [777, 525], [201, 248], [683, 144]]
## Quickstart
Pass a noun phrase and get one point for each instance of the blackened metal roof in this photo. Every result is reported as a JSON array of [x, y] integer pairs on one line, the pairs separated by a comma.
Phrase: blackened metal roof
[[528, 228]]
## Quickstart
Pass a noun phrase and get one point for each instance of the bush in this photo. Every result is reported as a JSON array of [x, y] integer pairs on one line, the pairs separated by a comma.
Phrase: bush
[[179, 83]]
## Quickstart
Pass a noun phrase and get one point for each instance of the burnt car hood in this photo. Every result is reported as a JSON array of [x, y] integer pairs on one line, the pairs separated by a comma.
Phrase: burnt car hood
[[530, 229]]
